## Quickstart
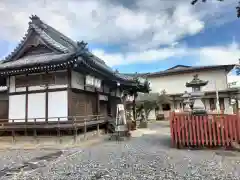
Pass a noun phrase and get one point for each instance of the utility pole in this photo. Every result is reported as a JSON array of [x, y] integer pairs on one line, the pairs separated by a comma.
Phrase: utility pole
[[217, 98]]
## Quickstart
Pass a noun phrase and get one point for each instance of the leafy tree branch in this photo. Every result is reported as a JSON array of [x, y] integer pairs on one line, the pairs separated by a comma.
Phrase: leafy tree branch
[[237, 8]]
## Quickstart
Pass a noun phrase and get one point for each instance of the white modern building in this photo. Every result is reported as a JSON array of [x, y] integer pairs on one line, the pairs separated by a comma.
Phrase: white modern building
[[173, 81]]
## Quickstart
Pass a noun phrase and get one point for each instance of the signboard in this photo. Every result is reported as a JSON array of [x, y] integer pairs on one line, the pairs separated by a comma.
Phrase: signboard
[[97, 83], [92, 81], [89, 80]]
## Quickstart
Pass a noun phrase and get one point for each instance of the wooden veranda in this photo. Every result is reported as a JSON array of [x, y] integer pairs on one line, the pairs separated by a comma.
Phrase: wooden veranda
[[59, 125]]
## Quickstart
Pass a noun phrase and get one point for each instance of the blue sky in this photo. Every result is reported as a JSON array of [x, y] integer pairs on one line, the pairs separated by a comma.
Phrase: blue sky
[[134, 36]]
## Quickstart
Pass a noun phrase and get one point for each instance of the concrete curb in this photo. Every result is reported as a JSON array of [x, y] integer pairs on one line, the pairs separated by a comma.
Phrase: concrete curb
[[55, 146]]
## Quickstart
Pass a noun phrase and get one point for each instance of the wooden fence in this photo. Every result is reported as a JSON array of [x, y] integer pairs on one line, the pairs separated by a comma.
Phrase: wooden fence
[[211, 130]]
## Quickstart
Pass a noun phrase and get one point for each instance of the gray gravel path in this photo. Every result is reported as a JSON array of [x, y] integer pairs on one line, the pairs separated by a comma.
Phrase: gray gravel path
[[145, 157]]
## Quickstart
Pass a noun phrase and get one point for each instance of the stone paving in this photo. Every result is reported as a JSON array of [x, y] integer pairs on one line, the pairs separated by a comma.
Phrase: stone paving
[[147, 155]]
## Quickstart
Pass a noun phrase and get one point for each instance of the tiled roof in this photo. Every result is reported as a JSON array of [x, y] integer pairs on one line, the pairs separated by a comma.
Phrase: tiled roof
[[46, 37], [182, 69], [190, 69], [36, 60], [64, 46]]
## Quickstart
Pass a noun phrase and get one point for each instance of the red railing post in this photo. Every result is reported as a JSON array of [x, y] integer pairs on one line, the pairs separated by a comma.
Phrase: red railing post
[[210, 142], [205, 130], [172, 128], [194, 130]]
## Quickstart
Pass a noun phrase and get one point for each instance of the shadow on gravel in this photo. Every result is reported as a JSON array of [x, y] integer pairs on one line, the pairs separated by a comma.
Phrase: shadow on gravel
[[30, 165], [163, 140]]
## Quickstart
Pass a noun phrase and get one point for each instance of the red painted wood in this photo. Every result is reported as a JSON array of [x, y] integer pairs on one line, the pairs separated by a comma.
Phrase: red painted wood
[[222, 130], [234, 127], [228, 131], [190, 129], [172, 128], [205, 130], [218, 122], [198, 131], [183, 129], [214, 130], [238, 127], [201, 129], [210, 131], [178, 130], [175, 130], [186, 129], [194, 130]]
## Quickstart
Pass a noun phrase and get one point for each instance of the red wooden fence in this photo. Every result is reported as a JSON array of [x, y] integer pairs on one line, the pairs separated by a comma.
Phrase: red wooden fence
[[209, 130]]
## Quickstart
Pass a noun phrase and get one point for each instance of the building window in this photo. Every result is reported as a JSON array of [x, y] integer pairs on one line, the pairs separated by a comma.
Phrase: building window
[[221, 103], [212, 104], [180, 105]]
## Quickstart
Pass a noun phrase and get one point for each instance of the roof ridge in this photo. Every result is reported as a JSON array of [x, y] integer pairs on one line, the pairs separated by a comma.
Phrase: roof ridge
[[48, 39], [37, 24], [40, 23]]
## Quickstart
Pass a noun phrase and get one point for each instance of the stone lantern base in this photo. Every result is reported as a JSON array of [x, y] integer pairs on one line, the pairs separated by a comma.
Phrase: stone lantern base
[[198, 107]]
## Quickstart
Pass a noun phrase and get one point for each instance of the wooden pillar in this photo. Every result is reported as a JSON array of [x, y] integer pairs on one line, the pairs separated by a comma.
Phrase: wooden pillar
[[98, 104], [26, 109], [26, 104], [46, 102], [69, 80]]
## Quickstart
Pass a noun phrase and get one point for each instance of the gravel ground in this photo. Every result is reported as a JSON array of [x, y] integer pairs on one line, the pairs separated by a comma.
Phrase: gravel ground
[[145, 157], [13, 158]]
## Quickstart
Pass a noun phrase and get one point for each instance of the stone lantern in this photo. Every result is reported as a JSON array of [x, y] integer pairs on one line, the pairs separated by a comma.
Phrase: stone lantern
[[196, 95], [186, 101]]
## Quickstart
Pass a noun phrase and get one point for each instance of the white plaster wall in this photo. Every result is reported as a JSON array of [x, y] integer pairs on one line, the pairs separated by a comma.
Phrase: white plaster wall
[[36, 107], [77, 80], [17, 108], [21, 89], [57, 86], [57, 105], [174, 84], [34, 88], [12, 84]]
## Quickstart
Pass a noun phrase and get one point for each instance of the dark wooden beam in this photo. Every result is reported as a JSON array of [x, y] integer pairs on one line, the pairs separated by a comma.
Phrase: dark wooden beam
[[26, 99], [39, 91], [69, 77], [98, 104]]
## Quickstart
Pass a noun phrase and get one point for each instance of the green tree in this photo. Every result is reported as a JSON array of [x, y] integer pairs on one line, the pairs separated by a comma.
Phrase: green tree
[[151, 101], [237, 8]]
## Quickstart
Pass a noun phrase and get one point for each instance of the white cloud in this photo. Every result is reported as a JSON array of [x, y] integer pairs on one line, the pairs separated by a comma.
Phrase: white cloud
[[142, 25], [139, 27], [146, 56], [212, 55], [219, 54]]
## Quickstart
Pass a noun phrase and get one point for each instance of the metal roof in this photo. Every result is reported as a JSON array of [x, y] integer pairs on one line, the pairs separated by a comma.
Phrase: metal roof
[[182, 69], [190, 69]]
